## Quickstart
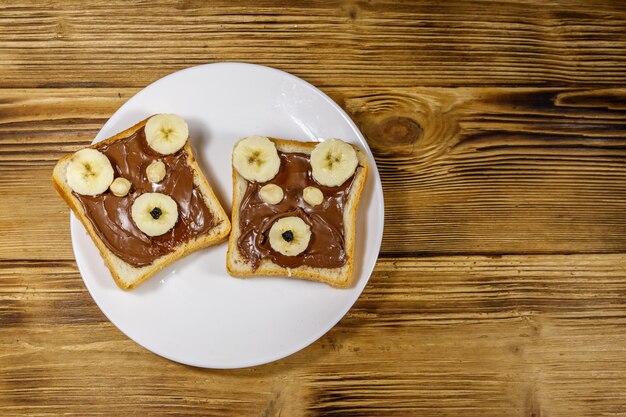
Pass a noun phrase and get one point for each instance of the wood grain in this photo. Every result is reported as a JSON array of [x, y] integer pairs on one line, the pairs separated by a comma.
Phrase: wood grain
[[499, 130], [516, 335], [475, 170], [484, 335], [466, 170], [346, 43]]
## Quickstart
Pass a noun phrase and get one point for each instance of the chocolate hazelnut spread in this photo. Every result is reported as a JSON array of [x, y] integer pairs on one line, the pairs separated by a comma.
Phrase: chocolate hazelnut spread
[[326, 247], [111, 215]]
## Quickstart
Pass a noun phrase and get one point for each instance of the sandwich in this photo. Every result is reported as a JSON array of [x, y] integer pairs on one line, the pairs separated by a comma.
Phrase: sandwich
[[142, 198], [294, 209]]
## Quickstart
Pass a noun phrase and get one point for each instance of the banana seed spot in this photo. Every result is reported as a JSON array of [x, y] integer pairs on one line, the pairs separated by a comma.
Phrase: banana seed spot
[[88, 171], [166, 133], [288, 236], [254, 158], [156, 213]]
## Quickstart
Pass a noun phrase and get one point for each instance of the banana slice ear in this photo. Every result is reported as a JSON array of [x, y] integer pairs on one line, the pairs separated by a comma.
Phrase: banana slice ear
[[166, 133], [256, 159], [89, 172], [333, 162]]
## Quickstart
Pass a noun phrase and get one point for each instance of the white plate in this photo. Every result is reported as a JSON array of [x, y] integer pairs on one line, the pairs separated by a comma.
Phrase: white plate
[[193, 312]]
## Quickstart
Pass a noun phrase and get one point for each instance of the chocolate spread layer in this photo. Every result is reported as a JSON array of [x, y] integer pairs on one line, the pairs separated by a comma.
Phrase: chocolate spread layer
[[111, 215], [326, 248]]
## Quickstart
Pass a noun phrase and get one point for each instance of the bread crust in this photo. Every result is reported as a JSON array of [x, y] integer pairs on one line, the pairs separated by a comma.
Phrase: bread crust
[[238, 266], [127, 276]]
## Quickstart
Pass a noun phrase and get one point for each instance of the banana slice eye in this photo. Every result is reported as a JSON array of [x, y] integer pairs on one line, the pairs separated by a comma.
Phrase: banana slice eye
[[290, 236], [333, 162], [120, 186], [256, 159], [156, 171], [271, 194], [154, 213], [313, 196]]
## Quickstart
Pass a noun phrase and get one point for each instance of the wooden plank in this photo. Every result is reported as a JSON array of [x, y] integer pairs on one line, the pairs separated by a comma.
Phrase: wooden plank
[[374, 43], [500, 134], [31, 210], [489, 170], [466, 170], [515, 335]]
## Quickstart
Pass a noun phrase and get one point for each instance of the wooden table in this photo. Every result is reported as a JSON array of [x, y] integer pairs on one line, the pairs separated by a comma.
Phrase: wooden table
[[499, 130]]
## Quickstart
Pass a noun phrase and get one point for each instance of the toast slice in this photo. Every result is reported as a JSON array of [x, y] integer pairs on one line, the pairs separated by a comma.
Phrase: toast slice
[[126, 274], [239, 265]]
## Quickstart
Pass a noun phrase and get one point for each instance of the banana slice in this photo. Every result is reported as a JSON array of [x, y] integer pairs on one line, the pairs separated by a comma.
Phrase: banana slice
[[256, 158], [333, 162], [154, 213], [89, 172], [290, 236], [271, 193], [166, 133], [313, 196], [120, 186]]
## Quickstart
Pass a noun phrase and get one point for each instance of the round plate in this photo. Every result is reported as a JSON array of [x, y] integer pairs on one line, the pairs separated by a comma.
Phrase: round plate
[[193, 312]]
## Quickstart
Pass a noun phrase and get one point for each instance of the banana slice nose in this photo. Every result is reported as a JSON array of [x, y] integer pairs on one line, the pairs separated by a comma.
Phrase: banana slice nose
[[154, 213], [290, 236]]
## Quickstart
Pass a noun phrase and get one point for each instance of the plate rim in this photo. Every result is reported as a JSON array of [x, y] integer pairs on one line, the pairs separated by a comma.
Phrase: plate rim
[[377, 188]]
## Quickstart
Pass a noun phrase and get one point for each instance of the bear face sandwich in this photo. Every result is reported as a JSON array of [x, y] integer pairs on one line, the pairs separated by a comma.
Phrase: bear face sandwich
[[142, 198], [294, 209]]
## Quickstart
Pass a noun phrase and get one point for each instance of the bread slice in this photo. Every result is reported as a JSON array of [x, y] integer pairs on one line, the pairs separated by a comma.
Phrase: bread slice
[[238, 266], [126, 275]]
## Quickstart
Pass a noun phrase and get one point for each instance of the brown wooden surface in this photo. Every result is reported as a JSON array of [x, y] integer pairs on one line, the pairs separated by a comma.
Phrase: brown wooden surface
[[499, 129]]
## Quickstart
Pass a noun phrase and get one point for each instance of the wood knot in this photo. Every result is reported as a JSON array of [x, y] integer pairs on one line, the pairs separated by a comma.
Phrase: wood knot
[[400, 130], [394, 134], [350, 10], [352, 13], [62, 29]]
